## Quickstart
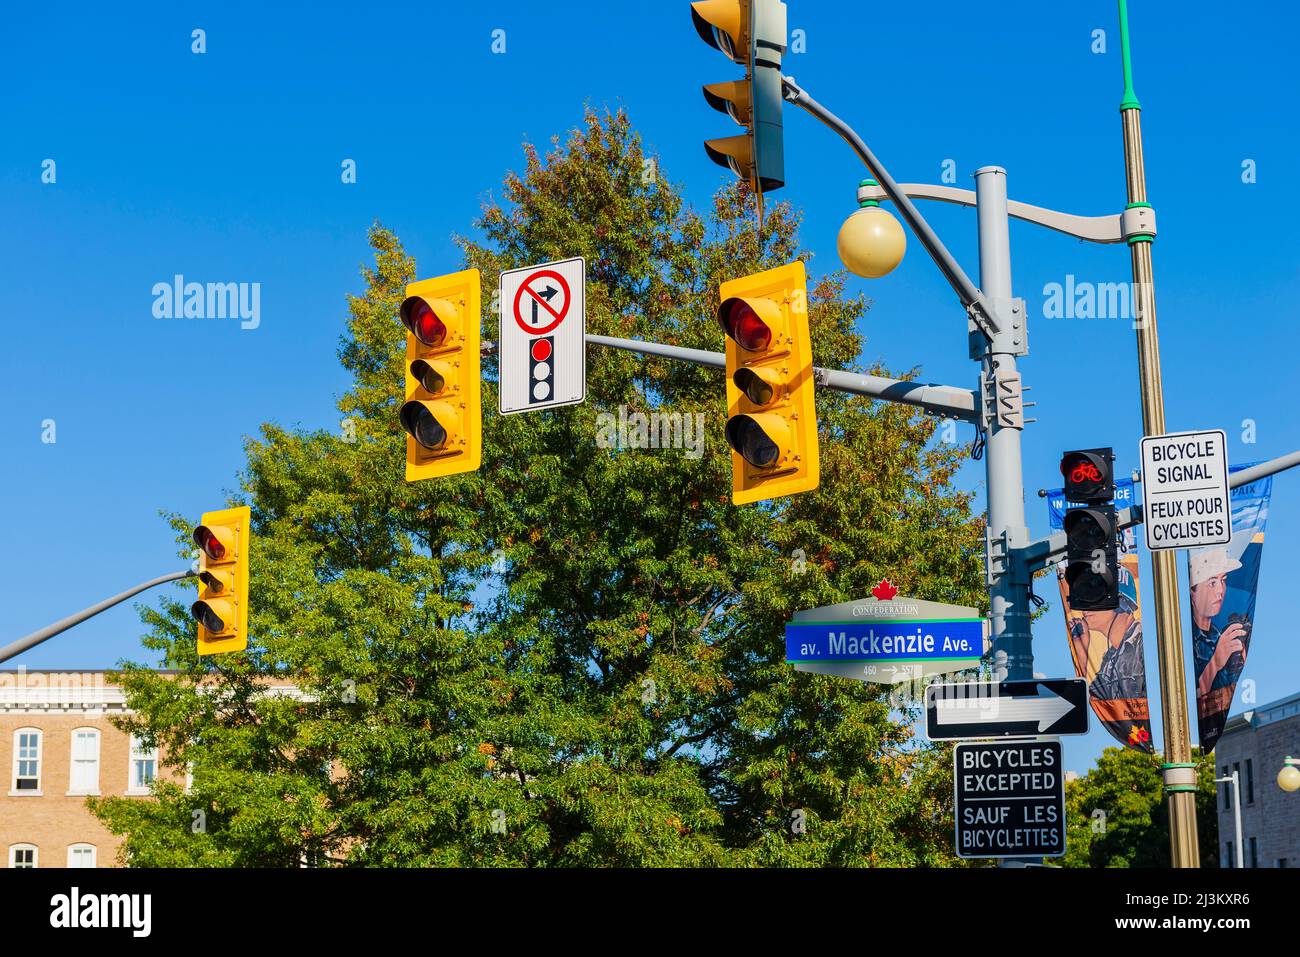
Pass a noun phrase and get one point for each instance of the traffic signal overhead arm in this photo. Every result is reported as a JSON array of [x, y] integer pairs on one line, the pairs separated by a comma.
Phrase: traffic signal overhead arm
[[49, 631], [977, 305], [944, 401]]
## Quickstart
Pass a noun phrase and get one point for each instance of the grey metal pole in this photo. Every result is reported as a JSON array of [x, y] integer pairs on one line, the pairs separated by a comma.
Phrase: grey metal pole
[[1271, 467], [49, 631], [1235, 781], [1008, 587], [942, 400], [1236, 806]]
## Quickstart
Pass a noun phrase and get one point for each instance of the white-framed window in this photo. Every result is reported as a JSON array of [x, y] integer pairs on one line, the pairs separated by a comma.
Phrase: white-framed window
[[143, 767], [83, 778], [27, 761], [22, 855], [81, 855]]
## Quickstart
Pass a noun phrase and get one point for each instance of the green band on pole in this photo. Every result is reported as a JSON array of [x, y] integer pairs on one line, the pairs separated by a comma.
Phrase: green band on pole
[[1178, 788], [1141, 238], [868, 202], [1134, 205], [1130, 101]]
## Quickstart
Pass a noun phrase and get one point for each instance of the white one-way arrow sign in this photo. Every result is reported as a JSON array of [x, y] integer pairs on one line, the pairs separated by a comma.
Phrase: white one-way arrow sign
[[987, 709]]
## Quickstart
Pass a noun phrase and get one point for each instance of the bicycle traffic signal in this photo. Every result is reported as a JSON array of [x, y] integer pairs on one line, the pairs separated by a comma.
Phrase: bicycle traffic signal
[[1092, 559], [753, 34], [222, 609], [1089, 475], [771, 416], [442, 414]]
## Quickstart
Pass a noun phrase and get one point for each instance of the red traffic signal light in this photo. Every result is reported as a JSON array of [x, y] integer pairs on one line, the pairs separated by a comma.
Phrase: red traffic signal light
[[215, 542], [1089, 476], [419, 317], [739, 319]]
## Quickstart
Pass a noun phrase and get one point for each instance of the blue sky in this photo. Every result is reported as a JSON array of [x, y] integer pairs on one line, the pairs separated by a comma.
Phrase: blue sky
[[225, 167]]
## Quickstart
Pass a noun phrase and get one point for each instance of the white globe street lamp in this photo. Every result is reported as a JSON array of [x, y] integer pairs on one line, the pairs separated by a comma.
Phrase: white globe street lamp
[[871, 241], [1288, 779]]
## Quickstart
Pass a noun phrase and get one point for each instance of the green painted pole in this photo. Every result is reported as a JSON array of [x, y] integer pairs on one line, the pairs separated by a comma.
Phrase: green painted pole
[[1130, 101]]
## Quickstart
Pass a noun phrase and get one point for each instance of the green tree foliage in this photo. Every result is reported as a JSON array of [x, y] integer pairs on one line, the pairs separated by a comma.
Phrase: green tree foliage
[[574, 656], [1116, 814]]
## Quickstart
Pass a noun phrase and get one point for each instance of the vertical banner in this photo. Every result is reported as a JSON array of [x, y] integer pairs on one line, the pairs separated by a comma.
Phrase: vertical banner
[[1107, 650], [1223, 580]]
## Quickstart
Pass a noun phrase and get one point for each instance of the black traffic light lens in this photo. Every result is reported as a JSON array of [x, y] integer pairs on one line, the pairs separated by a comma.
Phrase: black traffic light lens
[[419, 421], [423, 322], [206, 617], [206, 540], [211, 581], [747, 437], [428, 376], [751, 383], [1087, 587], [1085, 529], [742, 323]]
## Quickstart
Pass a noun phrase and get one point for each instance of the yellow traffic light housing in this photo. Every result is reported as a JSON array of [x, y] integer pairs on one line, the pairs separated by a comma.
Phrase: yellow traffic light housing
[[751, 33], [223, 539], [442, 415], [724, 24], [771, 415]]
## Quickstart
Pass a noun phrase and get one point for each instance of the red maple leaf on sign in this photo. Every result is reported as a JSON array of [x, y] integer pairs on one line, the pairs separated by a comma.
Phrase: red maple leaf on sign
[[884, 591]]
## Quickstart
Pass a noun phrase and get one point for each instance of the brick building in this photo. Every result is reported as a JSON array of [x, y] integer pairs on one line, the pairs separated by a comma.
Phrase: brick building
[[57, 746], [1255, 744]]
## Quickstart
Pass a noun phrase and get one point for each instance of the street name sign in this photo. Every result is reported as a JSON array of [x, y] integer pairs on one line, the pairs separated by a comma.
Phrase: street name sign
[[1185, 498], [1006, 709], [1010, 799], [542, 345], [886, 638]]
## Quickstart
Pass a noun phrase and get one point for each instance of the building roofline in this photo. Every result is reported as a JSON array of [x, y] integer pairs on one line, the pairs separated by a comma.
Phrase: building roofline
[[1260, 715]]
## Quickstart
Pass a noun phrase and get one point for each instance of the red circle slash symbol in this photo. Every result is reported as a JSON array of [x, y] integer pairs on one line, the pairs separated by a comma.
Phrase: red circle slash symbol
[[541, 301]]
